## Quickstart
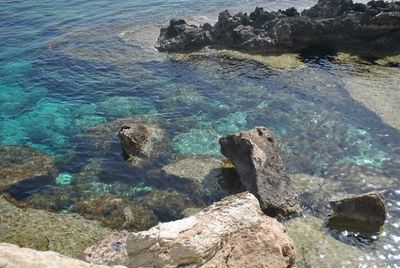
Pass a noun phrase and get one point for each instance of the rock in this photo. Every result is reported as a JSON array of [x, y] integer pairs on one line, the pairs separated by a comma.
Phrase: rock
[[68, 234], [141, 143], [167, 205], [12, 256], [20, 164], [179, 36], [210, 175], [256, 158], [365, 212], [101, 137], [331, 24], [315, 247], [116, 213], [231, 233]]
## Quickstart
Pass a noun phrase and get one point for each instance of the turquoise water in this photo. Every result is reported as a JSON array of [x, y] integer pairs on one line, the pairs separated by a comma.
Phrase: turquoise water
[[67, 66]]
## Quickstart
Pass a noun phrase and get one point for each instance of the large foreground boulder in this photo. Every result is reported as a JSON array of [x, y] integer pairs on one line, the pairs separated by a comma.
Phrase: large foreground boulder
[[256, 158], [333, 24], [365, 212], [233, 232]]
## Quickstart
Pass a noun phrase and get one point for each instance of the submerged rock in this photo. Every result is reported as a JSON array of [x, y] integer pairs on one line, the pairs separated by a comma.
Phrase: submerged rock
[[317, 248], [256, 158], [116, 213], [231, 233], [167, 205], [365, 212], [210, 175], [67, 234], [334, 24], [19, 164], [141, 143], [12, 256]]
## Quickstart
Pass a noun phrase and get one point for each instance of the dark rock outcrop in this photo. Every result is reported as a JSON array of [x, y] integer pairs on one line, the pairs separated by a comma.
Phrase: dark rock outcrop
[[255, 156], [142, 143], [337, 24], [365, 212]]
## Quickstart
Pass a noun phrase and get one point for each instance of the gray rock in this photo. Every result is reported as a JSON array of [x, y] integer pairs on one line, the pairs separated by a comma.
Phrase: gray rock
[[365, 212], [255, 156]]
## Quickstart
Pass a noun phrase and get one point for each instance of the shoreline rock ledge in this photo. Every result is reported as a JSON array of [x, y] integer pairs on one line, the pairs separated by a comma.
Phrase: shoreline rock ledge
[[233, 232], [330, 25], [255, 155]]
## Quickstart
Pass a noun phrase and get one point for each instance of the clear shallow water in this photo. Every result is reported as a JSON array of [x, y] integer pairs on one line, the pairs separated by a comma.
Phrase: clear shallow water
[[69, 66]]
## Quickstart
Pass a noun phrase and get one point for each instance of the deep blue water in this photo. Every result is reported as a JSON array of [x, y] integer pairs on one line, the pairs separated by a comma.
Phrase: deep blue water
[[67, 66]]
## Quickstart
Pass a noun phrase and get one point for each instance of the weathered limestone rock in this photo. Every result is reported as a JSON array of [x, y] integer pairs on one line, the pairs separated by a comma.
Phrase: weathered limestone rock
[[365, 212], [67, 234], [22, 163], [255, 156], [142, 143], [12, 256], [231, 233]]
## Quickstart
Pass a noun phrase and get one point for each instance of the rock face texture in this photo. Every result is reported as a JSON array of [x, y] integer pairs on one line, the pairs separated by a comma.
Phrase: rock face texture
[[364, 212], [231, 233], [12, 256], [339, 24], [22, 163], [68, 234], [255, 156], [142, 143]]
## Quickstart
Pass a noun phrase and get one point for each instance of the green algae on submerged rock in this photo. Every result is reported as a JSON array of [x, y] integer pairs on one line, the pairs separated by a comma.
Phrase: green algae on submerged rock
[[209, 174], [68, 234], [285, 61], [53, 198], [167, 205], [116, 213], [22, 163], [316, 248]]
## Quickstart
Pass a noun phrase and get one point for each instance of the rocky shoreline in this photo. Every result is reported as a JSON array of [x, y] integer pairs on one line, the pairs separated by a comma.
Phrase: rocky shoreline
[[330, 25], [236, 231]]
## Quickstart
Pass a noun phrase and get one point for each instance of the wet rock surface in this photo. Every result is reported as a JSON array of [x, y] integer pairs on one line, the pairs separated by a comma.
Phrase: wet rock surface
[[315, 247], [365, 212], [141, 143], [116, 213], [231, 233], [20, 164], [67, 234], [256, 158], [335, 24]]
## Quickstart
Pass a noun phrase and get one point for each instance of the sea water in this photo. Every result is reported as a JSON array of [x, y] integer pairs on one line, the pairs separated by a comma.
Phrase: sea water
[[68, 66]]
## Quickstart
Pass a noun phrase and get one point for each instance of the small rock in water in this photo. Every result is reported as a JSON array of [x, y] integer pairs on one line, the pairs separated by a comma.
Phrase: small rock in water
[[64, 178], [364, 213]]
